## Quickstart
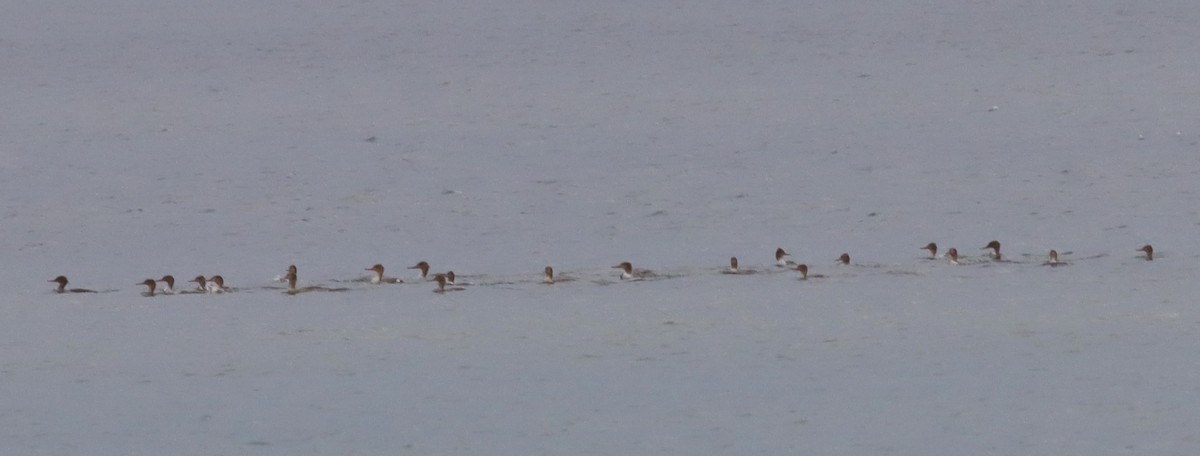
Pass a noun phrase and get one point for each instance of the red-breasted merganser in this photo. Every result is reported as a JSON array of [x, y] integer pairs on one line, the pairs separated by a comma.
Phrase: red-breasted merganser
[[441, 284], [550, 279], [733, 268], [995, 246], [779, 254], [62, 286], [803, 270], [952, 254], [627, 271], [932, 248], [150, 284], [449, 277], [1053, 261], [201, 284], [379, 278], [291, 280], [170, 281], [423, 267], [1149, 252], [844, 259], [290, 277], [216, 284]]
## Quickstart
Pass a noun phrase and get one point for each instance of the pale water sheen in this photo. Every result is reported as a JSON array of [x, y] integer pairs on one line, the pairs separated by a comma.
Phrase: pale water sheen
[[223, 138]]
